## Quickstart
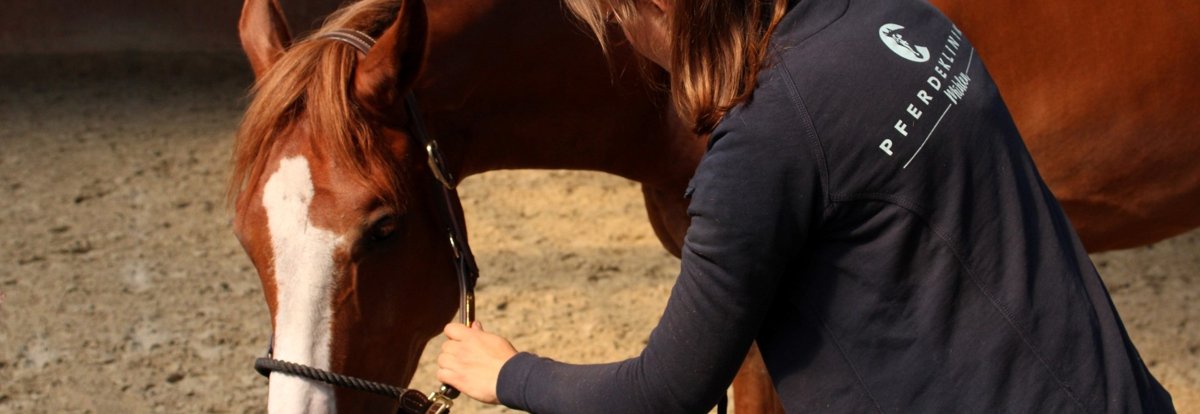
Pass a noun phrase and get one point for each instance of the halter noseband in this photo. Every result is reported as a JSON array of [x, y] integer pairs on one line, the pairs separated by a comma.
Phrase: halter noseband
[[411, 401]]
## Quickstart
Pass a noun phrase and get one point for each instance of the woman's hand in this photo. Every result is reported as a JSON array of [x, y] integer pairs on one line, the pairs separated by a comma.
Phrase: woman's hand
[[471, 360]]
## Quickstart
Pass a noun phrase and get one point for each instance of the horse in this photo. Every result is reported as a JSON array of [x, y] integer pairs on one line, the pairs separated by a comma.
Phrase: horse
[[331, 201]]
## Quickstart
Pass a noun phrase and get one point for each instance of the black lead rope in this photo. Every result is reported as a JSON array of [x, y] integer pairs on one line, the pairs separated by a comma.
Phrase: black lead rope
[[410, 401], [266, 366]]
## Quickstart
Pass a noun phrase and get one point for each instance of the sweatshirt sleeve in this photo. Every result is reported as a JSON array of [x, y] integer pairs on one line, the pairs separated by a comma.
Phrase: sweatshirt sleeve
[[753, 200]]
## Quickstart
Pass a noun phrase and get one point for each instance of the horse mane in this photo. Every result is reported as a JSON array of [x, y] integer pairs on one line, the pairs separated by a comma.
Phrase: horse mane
[[311, 82]]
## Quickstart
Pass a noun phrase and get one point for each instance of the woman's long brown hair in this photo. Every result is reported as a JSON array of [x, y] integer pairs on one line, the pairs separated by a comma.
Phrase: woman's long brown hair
[[717, 49]]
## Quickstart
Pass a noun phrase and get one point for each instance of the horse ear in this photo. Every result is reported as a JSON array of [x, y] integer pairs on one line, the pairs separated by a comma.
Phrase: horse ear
[[392, 65], [264, 33]]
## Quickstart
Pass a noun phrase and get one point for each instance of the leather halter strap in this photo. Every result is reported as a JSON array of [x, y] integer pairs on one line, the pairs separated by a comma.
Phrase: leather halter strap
[[464, 259], [468, 271], [410, 401], [359, 40]]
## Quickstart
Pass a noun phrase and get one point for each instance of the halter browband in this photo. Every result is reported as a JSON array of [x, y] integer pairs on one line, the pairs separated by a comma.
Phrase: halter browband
[[411, 401], [359, 40]]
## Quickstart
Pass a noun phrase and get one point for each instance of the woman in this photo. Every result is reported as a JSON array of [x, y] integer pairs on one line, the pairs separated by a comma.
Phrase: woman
[[866, 211]]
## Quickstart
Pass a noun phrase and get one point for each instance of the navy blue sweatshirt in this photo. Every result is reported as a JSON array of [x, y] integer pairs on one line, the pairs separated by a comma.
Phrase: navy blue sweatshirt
[[871, 218]]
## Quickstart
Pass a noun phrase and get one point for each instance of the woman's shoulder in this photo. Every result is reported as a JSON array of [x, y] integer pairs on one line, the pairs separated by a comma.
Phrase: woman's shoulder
[[859, 68], [771, 116], [769, 133]]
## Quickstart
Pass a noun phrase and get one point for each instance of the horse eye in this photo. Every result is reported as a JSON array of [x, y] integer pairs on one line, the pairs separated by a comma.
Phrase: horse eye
[[383, 229]]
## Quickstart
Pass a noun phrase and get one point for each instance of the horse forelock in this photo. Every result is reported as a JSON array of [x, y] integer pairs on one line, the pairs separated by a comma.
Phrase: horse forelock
[[312, 83]]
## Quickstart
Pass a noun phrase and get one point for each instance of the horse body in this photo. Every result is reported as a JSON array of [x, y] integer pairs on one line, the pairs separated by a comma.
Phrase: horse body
[[552, 103], [515, 85]]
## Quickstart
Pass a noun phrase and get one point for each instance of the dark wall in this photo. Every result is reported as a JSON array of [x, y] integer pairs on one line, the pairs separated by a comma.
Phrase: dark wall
[[74, 26]]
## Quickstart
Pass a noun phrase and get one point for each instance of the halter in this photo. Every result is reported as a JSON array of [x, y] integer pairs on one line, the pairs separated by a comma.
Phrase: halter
[[411, 401]]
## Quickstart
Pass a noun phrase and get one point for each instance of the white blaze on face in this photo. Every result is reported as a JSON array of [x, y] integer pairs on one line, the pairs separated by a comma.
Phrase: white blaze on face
[[304, 274]]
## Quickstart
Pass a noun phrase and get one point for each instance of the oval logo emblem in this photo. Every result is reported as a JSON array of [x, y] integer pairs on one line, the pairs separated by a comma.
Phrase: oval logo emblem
[[891, 36]]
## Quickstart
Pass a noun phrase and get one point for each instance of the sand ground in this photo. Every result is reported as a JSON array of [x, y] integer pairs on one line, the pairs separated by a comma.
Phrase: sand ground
[[122, 288]]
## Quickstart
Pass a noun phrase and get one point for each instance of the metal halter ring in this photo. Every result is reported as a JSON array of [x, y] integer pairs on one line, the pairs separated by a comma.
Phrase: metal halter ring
[[437, 165]]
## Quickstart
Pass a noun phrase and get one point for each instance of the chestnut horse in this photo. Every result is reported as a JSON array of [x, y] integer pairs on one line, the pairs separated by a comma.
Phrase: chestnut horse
[[335, 213]]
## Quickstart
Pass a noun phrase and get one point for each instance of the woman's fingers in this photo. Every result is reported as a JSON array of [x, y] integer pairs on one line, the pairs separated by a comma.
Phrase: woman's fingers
[[451, 346], [447, 361], [456, 331], [449, 377]]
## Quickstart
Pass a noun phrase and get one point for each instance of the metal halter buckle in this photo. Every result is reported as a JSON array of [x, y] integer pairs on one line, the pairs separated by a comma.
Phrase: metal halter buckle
[[441, 400]]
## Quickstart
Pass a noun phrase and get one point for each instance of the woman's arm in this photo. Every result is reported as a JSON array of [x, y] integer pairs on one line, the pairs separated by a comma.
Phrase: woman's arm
[[752, 203]]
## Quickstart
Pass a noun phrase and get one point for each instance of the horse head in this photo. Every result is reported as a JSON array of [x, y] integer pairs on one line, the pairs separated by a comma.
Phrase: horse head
[[332, 203]]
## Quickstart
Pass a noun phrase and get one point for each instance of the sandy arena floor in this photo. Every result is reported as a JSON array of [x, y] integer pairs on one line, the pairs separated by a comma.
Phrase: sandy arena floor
[[122, 288]]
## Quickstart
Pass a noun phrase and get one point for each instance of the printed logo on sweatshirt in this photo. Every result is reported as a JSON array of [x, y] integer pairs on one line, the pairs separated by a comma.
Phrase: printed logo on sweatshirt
[[944, 87], [891, 36]]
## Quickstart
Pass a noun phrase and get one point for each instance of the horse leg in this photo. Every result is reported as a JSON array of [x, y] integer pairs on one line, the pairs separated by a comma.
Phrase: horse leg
[[753, 391]]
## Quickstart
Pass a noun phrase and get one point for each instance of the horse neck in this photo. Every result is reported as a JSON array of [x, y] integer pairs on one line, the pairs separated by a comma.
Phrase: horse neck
[[514, 84]]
